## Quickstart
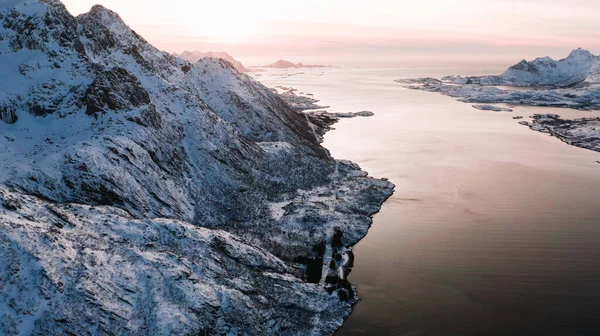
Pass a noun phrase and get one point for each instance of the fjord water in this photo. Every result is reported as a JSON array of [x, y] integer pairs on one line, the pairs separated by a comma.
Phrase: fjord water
[[494, 229]]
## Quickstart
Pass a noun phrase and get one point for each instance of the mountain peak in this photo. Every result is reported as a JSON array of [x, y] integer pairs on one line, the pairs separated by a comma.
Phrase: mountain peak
[[545, 71], [104, 15], [579, 52]]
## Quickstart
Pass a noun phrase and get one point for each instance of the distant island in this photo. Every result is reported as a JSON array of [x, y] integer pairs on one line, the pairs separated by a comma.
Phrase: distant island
[[195, 56], [571, 82], [282, 64]]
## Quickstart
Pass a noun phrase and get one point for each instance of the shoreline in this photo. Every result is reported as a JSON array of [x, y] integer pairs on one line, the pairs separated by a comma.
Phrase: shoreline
[[307, 104], [579, 132], [338, 254], [387, 242]]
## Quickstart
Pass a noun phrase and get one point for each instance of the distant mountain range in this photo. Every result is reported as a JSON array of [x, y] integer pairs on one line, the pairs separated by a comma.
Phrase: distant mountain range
[[282, 64], [572, 82], [580, 67], [195, 56]]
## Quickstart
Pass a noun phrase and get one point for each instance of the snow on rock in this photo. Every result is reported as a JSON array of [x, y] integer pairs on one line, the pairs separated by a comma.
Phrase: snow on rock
[[584, 133], [104, 136], [351, 114], [545, 71], [275, 147], [119, 275]]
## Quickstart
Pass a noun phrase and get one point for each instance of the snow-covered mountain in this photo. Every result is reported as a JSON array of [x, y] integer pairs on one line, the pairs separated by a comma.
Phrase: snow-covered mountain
[[142, 194], [570, 82], [195, 56], [580, 67]]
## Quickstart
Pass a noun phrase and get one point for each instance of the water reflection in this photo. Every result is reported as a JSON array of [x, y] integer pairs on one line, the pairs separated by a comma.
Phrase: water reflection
[[494, 229]]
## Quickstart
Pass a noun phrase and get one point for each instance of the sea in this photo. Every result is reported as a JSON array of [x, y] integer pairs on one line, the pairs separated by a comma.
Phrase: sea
[[494, 229]]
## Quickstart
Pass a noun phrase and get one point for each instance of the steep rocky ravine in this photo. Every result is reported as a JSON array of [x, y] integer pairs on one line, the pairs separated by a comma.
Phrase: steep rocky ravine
[[144, 195]]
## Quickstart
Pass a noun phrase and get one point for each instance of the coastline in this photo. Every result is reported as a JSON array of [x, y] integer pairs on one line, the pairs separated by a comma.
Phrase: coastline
[[339, 254], [427, 151], [579, 132]]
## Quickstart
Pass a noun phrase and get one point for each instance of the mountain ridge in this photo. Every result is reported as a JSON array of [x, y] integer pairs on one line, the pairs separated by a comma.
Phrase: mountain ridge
[[121, 163], [579, 67]]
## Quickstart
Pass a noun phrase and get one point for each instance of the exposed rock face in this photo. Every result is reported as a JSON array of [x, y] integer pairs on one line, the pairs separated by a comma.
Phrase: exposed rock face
[[104, 136], [115, 89], [8, 114]]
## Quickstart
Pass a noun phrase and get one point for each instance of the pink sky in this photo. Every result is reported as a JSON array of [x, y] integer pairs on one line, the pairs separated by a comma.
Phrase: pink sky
[[375, 32]]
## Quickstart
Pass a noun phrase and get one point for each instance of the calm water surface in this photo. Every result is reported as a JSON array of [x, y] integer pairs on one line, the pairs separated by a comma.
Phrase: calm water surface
[[493, 230]]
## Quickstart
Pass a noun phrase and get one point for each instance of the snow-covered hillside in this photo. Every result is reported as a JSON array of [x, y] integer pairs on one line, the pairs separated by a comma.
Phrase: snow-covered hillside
[[195, 56], [103, 135]]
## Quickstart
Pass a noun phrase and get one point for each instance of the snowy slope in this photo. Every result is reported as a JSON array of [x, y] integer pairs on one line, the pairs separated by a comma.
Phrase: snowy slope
[[574, 69], [75, 269], [103, 135]]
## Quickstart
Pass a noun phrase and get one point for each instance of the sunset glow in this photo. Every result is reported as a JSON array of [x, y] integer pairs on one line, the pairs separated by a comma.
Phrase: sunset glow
[[380, 30]]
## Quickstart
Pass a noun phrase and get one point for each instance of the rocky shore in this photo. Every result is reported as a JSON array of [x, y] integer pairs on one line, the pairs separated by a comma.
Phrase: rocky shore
[[307, 104], [584, 132]]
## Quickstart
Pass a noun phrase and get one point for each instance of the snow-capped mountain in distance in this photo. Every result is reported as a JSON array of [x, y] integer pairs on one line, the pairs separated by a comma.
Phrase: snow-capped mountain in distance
[[283, 64], [195, 56], [142, 194], [580, 67], [574, 69], [570, 82]]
